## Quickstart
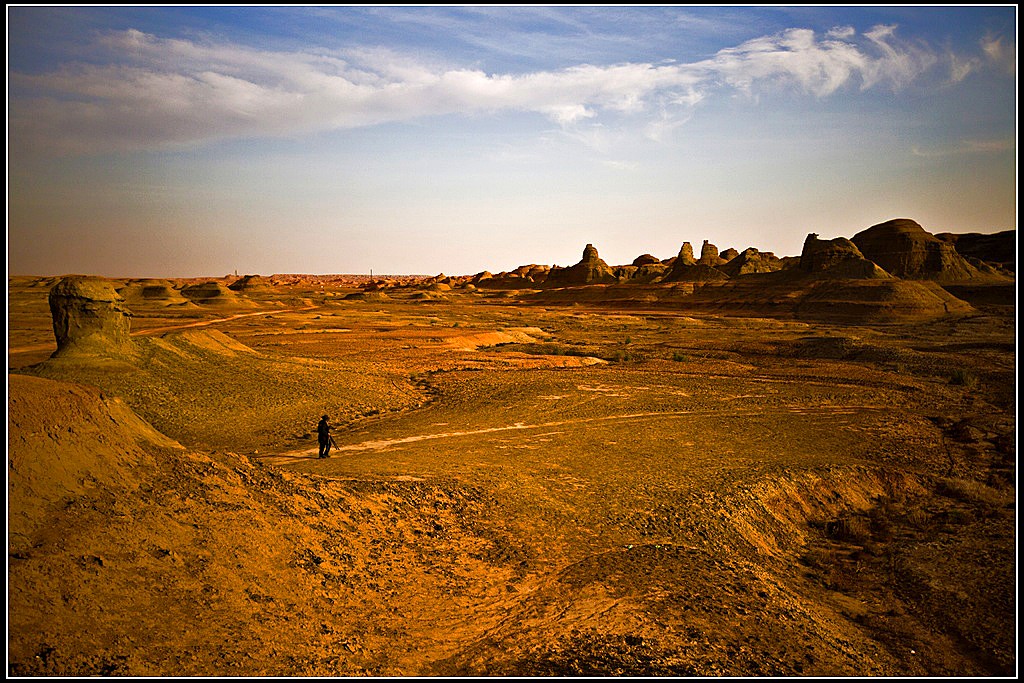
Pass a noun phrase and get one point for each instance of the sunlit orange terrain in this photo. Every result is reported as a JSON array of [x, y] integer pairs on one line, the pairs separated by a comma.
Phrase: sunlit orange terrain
[[695, 467]]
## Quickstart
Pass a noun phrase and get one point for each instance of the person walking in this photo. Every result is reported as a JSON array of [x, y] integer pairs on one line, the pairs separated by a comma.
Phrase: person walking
[[323, 436]]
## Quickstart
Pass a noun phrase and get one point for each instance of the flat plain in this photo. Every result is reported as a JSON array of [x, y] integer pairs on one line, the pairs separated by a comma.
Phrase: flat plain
[[519, 487]]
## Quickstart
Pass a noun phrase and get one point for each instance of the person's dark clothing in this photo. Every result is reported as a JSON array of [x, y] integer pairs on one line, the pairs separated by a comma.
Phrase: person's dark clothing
[[323, 435]]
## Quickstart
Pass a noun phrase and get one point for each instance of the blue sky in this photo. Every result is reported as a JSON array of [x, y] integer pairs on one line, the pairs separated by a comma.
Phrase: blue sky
[[186, 142]]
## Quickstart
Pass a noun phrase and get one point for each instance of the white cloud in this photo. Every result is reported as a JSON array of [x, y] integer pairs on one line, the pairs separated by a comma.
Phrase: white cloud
[[163, 93], [960, 68], [566, 114], [841, 32], [793, 57], [900, 62]]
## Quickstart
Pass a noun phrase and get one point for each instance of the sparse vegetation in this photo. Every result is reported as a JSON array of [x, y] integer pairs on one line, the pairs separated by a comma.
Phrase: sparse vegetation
[[963, 378], [852, 528], [974, 492]]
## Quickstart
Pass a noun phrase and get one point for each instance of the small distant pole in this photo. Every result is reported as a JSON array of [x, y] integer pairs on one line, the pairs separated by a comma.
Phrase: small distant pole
[[371, 273]]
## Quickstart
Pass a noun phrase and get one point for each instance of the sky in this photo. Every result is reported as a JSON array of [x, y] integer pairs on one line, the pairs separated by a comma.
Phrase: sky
[[182, 141]]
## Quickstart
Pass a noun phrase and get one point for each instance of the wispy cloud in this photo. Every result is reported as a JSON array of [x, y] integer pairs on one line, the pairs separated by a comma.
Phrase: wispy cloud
[[996, 53], [620, 165], [159, 93], [797, 58], [967, 147], [1000, 53]]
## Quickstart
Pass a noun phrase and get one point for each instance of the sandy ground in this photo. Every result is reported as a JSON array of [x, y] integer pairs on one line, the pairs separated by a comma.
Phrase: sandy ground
[[517, 490]]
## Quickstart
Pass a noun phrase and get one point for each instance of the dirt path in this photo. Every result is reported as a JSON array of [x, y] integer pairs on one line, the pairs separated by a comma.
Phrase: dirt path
[[168, 328], [381, 444], [203, 323]]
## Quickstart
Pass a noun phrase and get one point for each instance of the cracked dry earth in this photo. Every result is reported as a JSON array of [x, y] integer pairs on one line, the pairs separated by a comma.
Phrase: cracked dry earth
[[516, 491]]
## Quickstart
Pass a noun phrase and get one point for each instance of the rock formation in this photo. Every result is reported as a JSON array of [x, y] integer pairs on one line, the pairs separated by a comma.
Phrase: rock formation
[[685, 256], [685, 269], [649, 272], [532, 271], [590, 270], [152, 292], [998, 249], [698, 272], [877, 300], [709, 255], [645, 260], [89, 317], [367, 296], [523, 277], [728, 255], [482, 277], [695, 273], [625, 273], [210, 293], [752, 261], [904, 249], [837, 258], [249, 283]]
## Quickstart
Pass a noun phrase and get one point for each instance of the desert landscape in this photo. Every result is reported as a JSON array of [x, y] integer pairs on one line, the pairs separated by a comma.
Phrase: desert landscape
[[712, 463]]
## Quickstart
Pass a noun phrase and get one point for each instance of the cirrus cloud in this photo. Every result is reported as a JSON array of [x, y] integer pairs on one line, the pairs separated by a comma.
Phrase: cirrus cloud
[[160, 93]]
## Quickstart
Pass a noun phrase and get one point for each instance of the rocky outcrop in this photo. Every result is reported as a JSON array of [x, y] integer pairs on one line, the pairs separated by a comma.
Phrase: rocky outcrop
[[790, 262], [152, 292], [709, 255], [644, 274], [728, 255], [645, 260], [89, 317], [649, 272], [250, 283], [523, 277], [209, 293], [533, 272], [367, 296], [998, 249], [837, 258], [683, 267], [685, 256], [905, 249], [698, 272], [752, 261], [872, 300], [819, 255], [591, 270]]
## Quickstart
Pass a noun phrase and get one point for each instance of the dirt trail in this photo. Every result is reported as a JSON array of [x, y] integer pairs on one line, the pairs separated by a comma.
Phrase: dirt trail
[[203, 323], [167, 328], [381, 444]]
